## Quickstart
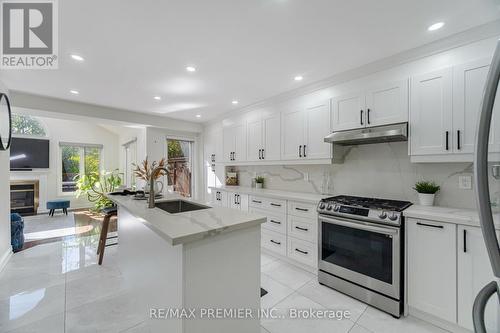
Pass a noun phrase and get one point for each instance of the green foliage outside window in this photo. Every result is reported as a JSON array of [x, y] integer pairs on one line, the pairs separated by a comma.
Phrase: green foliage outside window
[[27, 125]]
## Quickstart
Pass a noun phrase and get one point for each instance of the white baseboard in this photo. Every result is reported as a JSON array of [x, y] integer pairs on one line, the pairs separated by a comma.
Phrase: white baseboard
[[4, 258]]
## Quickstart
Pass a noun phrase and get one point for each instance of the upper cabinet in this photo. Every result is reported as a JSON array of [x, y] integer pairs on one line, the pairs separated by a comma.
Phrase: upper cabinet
[[264, 136], [303, 130], [234, 143], [383, 104], [431, 113], [213, 146]]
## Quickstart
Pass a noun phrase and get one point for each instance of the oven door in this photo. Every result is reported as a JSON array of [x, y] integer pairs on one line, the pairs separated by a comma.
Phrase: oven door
[[361, 252]]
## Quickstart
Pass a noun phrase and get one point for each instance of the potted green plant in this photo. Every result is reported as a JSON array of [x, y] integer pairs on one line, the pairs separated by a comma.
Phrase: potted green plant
[[426, 192], [259, 182], [95, 185]]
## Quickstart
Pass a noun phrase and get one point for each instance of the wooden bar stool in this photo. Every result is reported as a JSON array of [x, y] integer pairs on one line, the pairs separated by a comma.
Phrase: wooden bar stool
[[108, 213]]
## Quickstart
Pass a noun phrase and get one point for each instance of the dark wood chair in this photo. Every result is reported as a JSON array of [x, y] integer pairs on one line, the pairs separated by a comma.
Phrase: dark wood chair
[[108, 213]]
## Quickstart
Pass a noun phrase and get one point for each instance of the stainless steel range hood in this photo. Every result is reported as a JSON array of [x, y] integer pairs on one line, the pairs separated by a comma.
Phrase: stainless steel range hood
[[385, 133]]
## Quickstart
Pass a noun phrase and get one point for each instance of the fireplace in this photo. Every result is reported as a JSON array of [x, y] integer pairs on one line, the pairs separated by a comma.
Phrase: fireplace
[[24, 196]]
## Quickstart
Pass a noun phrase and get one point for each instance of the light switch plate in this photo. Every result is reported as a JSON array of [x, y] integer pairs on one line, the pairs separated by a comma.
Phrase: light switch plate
[[465, 182]]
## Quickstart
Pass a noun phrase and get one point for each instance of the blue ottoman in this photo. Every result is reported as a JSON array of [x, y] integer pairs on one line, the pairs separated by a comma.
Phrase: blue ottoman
[[52, 205], [16, 232]]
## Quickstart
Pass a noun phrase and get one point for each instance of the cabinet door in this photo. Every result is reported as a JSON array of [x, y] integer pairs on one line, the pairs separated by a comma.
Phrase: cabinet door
[[387, 104], [272, 136], [240, 145], [474, 272], [293, 133], [349, 111], [431, 113], [243, 202], [468, 87], [254, 139], [228, 143], [432, 277], [232, 200], [318, 126]]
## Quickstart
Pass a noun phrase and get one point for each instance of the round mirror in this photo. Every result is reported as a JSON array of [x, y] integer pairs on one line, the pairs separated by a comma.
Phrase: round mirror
[[5, 122]]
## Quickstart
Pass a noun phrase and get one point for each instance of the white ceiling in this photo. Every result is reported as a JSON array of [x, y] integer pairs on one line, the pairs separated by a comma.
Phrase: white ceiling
[[247, 50]]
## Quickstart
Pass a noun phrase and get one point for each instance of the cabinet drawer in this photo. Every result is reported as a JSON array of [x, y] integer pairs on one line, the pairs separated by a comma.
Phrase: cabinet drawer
[[273, 241], [303, 228], [274, 222], [302, 251], [256, 202], [275, 205], [302, 209]]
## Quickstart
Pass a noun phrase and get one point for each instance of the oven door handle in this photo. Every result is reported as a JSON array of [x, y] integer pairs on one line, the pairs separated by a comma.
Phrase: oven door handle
[[360, 225]]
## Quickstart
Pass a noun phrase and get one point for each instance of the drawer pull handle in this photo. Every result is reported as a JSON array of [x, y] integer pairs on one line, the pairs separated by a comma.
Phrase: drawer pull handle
[[303, 229], [275, 242], [300, 251], [274, 221], [430, 225], [275, 204], [302, 209], [257, 201]]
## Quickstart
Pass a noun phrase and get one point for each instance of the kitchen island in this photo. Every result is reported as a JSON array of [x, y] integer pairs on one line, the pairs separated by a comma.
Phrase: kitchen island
[[184, 268]]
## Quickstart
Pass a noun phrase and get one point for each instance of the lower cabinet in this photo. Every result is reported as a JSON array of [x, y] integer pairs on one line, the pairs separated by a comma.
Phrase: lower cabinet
[[237, 201], [447, 266], [273, 241], [219, 198]]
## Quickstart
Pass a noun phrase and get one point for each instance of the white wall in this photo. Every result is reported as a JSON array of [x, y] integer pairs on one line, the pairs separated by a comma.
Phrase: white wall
[[60, 130], [5, 248]]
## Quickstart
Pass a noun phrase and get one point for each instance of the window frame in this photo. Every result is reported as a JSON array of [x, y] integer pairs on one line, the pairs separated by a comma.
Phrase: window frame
[[81, 147], [192, 158]]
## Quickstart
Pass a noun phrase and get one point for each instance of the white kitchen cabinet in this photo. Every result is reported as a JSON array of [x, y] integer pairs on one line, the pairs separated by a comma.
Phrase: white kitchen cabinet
[[234, 143], [264, 137], [431, 113], [237, 201], [219, 198], [468, 87], [348, 111], [213, 145], [303, 130], [474, 272], [387, 103], [432, 277]]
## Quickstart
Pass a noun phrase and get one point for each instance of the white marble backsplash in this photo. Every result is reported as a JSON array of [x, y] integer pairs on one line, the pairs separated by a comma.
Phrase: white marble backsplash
[[377, 170]]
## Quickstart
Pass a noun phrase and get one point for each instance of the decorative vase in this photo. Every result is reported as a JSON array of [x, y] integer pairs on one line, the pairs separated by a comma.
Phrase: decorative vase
[[158, 187], [259, 185], [426, 199]]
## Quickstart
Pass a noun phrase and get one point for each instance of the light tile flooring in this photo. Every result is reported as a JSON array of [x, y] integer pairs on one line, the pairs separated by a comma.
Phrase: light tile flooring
[[58, 287]]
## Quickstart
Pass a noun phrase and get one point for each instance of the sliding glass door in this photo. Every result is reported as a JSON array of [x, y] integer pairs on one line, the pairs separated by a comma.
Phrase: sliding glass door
[[180, 165]]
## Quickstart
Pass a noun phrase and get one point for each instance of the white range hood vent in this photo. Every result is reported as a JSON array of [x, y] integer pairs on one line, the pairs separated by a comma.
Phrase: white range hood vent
[[378, 134]]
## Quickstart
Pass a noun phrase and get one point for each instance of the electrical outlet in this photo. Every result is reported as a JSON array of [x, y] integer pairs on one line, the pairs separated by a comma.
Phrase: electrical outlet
[[465, 182], [306, 176]]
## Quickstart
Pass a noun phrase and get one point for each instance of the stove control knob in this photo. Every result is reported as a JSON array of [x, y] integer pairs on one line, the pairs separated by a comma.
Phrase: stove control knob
[[393, 216], [322, 205], [382, 215], [329, 207], [336, 208]]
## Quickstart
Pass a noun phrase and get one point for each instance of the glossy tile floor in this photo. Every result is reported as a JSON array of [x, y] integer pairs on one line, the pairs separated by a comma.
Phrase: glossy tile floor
[[58, 287]]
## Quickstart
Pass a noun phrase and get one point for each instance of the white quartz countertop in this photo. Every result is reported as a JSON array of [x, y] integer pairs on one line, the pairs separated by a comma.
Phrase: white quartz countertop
[[296, 196], [188, 226], [447, 214]]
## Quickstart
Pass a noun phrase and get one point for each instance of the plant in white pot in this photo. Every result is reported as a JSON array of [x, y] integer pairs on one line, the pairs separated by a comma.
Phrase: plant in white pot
[[259, 182], [426, 192]]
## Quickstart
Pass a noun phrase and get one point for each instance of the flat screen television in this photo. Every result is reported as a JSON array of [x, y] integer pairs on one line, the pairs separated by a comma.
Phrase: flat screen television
[[28, 153]]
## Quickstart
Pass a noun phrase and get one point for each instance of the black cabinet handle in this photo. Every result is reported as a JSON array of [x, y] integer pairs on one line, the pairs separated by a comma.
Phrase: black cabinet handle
[[259, 154], [361, 117], [368, 116], [234, 156], [458, 141], [274, 221], [263, 156], [257, 201], [239, 201], [275, 242], [275, 204], [302, 209], [430, 225], [447, 140], [305, 151], [300, 251], [300, 151], [465, 241], [303, 229]]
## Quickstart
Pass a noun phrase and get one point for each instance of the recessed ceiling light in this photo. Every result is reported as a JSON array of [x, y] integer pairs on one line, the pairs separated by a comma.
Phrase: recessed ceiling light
[[74, 92], [298, 78], [235, 102], [77, 57], [158, 98], [191, 69], [435, 26], [198, 116]]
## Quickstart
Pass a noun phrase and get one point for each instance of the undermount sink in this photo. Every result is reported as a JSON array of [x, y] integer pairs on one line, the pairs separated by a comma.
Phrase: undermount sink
[[179, 206]]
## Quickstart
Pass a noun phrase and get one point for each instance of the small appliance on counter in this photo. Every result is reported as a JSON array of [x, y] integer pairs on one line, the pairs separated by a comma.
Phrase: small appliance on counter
[[231, 178]]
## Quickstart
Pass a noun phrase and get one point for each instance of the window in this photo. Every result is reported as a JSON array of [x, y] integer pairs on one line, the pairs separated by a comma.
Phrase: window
[[76, 160], [130, 158], [180, 165], [27, 125]]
